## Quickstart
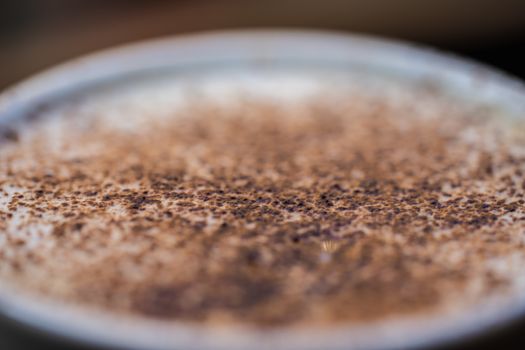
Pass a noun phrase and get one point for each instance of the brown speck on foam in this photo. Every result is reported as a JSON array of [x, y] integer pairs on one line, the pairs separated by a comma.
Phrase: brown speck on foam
[[8, 134], [347, 209]]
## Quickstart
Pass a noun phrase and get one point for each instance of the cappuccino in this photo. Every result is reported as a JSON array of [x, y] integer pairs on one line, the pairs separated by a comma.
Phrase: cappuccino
[[272, 198]]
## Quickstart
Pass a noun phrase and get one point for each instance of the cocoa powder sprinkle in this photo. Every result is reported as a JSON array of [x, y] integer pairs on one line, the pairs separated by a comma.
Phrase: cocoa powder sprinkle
[[345, 209]]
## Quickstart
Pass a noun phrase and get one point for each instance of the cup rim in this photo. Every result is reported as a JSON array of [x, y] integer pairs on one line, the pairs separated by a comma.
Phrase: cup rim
[[254, 47]]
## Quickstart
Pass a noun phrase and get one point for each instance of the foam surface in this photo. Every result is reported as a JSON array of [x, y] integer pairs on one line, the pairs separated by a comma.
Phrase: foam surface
[[267, 198]]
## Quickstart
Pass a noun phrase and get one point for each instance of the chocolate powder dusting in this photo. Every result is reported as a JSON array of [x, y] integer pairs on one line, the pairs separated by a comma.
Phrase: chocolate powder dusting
[[339, 209]]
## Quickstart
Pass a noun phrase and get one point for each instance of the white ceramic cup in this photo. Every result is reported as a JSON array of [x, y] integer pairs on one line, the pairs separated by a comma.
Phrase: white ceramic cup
[[251, 49]]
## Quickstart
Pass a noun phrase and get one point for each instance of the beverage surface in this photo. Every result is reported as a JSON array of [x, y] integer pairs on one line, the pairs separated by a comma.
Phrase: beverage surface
[[272, 200]]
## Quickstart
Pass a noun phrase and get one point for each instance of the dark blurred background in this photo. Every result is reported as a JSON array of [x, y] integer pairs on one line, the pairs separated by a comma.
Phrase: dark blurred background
[[35, 34]]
